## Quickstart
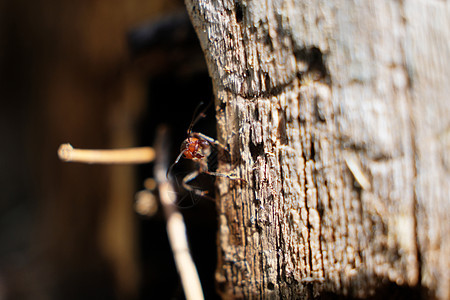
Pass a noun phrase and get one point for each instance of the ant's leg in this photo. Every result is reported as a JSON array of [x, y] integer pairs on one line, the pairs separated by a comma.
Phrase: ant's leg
[[231, 177], [209, 140], [203, 168], [189, 177]]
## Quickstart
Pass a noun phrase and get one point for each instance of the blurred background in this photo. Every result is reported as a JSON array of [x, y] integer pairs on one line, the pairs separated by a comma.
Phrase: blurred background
[[97, 74]]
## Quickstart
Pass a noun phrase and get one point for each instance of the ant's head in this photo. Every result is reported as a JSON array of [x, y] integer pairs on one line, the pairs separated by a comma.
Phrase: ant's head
[[192, 146], [190, 149]]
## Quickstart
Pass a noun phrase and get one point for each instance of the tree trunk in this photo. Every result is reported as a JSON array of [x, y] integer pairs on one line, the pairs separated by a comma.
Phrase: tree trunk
[[336, 115]]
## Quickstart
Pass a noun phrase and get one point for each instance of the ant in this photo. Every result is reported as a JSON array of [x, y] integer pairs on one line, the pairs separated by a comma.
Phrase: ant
[[197, 147]]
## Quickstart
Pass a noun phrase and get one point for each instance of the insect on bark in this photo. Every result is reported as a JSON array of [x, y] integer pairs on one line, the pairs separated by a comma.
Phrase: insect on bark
[[198, 147]]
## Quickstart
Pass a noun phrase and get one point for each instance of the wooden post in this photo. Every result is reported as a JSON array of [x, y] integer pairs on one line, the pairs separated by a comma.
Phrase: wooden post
[[337, 116]]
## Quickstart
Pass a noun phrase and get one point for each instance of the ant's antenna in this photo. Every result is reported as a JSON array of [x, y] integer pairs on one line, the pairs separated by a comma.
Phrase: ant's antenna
[[197, 118], [176, 161]]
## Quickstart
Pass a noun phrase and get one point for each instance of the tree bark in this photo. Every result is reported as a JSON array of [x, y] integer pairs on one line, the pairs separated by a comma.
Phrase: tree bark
[[336, 115]]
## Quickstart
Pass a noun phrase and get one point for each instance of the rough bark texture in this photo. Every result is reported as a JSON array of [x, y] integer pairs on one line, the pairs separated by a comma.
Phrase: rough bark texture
[[336, 115]]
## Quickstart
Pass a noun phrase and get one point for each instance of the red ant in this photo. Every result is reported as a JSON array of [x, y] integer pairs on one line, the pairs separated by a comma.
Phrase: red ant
[[197, 147]]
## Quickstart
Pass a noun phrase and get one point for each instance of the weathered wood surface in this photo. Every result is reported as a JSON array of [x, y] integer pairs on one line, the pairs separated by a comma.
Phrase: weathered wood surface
[[337, 115]]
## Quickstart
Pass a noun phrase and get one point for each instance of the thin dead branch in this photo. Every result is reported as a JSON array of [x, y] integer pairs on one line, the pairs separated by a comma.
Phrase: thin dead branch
[[176, 229], [139, 155]]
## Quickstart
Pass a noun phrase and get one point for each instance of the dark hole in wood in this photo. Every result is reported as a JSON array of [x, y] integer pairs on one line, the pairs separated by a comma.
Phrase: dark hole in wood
[[256, 150], [239, 11]]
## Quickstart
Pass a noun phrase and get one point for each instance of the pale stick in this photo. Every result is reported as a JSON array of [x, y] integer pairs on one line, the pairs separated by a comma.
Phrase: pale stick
[[138, 155], [176, 229]]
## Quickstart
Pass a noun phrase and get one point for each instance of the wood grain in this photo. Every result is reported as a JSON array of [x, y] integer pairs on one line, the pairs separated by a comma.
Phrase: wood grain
[[312, 98]]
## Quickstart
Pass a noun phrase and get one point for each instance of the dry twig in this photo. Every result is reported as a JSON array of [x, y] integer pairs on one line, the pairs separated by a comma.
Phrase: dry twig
[[138, 155], [176, 229]]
